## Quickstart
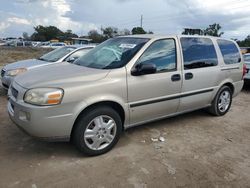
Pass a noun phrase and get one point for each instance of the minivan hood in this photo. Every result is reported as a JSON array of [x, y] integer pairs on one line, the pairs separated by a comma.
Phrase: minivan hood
[[58, 75], [29, 63]]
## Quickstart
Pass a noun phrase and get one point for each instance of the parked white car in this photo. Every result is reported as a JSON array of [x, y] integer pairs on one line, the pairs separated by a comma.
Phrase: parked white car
[[67, 53]]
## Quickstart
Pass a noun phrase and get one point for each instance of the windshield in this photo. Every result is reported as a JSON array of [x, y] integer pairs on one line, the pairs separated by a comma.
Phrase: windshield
[[113, 53], [57, 54], [247, 57]]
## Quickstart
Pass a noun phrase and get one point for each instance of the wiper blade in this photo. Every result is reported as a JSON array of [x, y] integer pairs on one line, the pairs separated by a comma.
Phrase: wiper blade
[[41, 59]]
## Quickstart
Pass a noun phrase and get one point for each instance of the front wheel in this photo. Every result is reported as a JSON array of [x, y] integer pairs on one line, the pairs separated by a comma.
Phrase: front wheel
[[97, 130], [222, 102]]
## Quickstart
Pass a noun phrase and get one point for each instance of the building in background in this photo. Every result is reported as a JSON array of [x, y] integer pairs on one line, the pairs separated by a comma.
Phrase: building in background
[[81, 41]]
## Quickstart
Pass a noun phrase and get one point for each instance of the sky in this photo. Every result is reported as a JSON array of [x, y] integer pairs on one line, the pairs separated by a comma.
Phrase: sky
[[159, 16]]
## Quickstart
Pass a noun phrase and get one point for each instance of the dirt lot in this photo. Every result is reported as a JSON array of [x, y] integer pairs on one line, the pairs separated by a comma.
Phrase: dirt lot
[[199, 151], [12, 54]]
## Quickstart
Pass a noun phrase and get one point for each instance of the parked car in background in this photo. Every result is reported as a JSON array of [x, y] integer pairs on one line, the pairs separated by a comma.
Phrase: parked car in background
[[124, 82], [54, 45], [68, 53], [247, 64]]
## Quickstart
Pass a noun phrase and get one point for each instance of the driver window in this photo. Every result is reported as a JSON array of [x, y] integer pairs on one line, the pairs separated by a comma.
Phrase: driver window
[[162, 53], [77, 54]]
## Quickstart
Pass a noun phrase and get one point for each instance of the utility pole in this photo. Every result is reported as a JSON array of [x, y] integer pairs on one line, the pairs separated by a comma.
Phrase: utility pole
[[141, 20]]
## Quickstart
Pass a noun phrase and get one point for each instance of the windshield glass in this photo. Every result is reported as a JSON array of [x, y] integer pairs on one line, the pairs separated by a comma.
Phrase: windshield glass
[[247, 57], [113, 53], [57, 54]]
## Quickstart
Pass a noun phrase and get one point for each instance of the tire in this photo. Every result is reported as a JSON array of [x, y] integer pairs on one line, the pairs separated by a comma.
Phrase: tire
[[221, 103], [97, 130]]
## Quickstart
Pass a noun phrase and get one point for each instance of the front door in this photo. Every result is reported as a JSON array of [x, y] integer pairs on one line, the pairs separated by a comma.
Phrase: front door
[[152, 96]]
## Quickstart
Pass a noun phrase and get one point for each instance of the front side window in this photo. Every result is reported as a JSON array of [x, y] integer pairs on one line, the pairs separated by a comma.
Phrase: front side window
[[198, 53], [113, 53], [57, 54], [229, 51], [77, 54], [161, 53]]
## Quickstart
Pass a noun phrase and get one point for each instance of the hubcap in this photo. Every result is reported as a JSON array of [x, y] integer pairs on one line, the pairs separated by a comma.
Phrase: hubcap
[[100, 132], [224, 101]]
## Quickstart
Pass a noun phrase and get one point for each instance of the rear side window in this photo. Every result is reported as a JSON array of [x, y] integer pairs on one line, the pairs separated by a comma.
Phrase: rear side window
[[229, 51], [198, 53]]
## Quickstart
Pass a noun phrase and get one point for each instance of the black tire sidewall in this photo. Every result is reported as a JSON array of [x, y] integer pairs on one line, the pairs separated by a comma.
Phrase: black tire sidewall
[[85, 119]]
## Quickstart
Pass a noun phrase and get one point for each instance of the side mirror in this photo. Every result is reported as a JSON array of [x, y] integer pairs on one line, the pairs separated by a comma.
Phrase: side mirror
[[72, 59], [142, 69]]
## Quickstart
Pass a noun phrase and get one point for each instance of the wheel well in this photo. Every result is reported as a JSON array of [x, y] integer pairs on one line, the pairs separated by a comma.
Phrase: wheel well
[[116, 106], [231, 86]]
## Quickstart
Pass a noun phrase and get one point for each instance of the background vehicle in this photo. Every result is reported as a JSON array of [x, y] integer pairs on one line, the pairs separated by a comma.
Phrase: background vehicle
[[247, 63], [68, 53], [54, 45], [124, 82]]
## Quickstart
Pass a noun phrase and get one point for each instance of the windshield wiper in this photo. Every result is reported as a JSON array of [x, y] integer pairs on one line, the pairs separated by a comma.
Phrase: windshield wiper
[[42, 59]]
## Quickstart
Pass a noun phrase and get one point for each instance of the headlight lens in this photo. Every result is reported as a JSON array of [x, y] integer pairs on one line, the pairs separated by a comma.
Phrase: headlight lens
[[15, 72], [44, 96]]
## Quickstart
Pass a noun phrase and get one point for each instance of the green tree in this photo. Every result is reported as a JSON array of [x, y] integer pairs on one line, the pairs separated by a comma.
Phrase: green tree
[[96, 37], [138, 30], [46, 33], [43, 33], [214, 30], [245, 42], [68, 35], [110, 32]]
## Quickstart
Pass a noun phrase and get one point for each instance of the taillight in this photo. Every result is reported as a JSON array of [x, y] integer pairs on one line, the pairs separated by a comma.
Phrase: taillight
[[244, 71]]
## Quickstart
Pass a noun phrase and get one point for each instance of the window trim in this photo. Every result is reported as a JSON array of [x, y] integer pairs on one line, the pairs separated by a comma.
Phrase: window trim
[[183, 61], [164, 71]]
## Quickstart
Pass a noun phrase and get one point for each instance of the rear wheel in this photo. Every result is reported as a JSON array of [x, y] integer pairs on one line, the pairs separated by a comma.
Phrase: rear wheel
[[222, 102], [97, 130]]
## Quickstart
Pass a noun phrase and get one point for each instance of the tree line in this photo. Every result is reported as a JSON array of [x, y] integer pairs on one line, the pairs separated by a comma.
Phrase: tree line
[[47, 33]]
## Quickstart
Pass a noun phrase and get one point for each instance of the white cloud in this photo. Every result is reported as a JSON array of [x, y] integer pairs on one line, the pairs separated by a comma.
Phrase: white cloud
[[160, 16], [3, 26], [17, 20]]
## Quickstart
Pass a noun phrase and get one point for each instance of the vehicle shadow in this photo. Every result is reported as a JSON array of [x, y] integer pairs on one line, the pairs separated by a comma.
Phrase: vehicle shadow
[[246, 87]]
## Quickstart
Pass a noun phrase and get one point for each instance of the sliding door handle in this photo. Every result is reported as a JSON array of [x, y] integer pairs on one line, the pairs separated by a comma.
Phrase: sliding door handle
[[189, 76]]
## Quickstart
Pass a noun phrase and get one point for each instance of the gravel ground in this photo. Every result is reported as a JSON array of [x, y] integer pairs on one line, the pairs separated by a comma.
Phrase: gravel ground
[[199, 151], [12, 54]]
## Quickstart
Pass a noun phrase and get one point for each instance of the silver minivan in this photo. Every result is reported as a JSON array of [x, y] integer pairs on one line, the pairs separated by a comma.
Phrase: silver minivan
[[124, 82]]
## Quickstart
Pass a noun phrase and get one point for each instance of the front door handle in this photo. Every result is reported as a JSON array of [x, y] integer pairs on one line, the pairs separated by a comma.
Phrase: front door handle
[[189, 76], [176, 77]]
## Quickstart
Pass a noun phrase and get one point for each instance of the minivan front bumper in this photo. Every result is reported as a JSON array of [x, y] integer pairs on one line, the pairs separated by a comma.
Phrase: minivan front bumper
[[45, 123]]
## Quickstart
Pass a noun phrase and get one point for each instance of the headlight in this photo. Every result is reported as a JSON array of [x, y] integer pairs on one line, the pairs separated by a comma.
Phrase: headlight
[[44, 96], [15, 72]]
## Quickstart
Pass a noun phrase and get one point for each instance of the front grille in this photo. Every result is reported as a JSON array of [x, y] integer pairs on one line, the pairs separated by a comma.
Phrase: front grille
[[2, 73], [14, 92]]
